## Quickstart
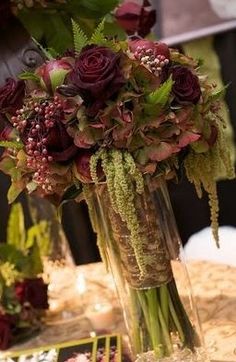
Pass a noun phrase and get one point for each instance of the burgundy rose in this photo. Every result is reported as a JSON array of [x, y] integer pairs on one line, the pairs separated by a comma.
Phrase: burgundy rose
[[82, 163], [59, 144], [52, 74], [158, 48], [186, 87], [5, 331], [33, 291], [11, 96], [136, 18], [97, 76]]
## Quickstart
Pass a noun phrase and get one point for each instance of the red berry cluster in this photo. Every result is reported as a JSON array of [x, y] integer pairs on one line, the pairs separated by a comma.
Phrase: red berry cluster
[[153, 62], [34, 121]]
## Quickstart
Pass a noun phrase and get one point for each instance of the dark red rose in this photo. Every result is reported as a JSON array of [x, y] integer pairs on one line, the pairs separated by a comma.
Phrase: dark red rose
[[33, 291], [82, 163], [158, 48], [52, 74], [5, 331], [11, 96], [97, 76], [186, 87], [59, 144], [136, 18]]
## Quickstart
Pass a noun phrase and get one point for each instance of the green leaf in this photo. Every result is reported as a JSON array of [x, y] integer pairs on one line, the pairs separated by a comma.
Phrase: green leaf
[[80, 39], [92, 9], [11, 144], [34, 265], [12, 255], [16, 227], [13, 192], [40, 234], [218, 94], [98, 35], [29, 76], [161, 95]]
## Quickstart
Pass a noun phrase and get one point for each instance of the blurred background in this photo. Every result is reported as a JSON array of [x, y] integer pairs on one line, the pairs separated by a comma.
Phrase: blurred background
[[205, 29]]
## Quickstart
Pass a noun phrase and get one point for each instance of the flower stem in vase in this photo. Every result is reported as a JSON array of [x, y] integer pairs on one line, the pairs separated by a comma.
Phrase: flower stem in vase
[[155, 316]]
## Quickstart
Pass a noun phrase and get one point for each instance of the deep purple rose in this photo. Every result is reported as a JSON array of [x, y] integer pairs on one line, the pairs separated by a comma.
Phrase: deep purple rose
[[11, 96], [186, 87], [5, 331], [33, 291], [136, 18], [97, 76]]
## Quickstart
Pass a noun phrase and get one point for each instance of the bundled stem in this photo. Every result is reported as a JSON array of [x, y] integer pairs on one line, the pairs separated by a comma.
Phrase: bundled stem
[[130, 234]]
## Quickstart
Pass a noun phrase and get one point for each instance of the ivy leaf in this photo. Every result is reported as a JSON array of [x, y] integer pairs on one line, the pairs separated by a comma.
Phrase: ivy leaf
[[98, 35], [11, 144], [161, 95], [80, 39]]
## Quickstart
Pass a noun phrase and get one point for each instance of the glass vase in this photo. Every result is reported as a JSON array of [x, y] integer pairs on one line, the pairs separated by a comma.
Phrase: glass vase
[[59, 269], [159, 311]]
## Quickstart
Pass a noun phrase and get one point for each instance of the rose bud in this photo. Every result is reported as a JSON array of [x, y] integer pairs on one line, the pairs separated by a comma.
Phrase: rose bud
[[136, 18], [33, 291], [158, 48], [186, 87], [82, 165], [5, 331], [11, 96], [8, 134], [52, 74]]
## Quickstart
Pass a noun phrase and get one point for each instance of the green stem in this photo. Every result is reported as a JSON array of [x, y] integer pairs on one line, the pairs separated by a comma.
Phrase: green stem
[[165, 333], [176, 321], [137, 342], [154, 326], [164, 300]]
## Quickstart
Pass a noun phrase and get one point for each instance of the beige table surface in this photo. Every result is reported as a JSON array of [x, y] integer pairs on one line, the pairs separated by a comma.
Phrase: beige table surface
[[214, 288]]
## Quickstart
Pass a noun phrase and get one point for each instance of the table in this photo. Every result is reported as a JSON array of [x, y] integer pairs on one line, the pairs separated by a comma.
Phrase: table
[[214, 287]]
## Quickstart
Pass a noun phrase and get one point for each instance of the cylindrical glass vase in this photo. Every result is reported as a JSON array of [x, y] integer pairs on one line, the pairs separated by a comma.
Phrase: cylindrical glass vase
[[151, 277]]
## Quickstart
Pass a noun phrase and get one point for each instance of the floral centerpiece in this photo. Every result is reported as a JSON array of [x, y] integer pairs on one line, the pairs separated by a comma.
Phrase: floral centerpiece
[[23, 293], [113, 120]]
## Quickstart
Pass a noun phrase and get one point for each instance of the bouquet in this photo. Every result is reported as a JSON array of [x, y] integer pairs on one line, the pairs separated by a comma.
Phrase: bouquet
[[115, 115], [134, 100], [23, 293]]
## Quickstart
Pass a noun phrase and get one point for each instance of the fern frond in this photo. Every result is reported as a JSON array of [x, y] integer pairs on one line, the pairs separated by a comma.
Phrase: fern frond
[[80, 39], [98, 35]]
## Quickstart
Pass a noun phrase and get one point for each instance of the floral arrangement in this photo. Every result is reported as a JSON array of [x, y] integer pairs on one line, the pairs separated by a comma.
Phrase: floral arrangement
[[135, 104], [23, 293]]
